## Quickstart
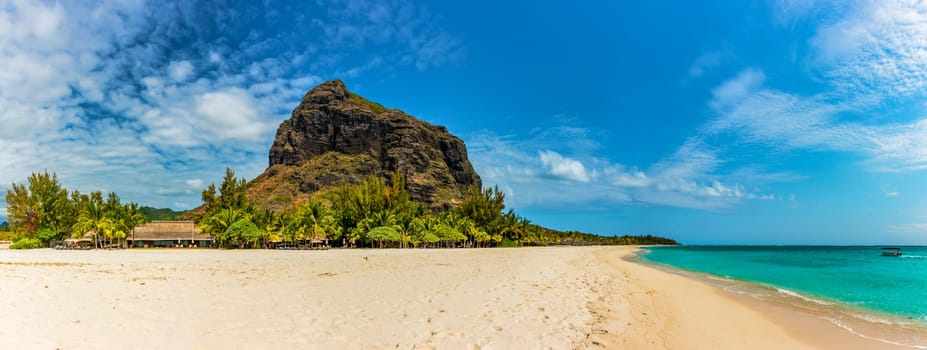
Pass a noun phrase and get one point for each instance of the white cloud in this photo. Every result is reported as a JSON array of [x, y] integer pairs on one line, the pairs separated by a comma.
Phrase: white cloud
[[563, 167], [684, 179], [515, 165], [691, 178], [180, 70], [620, 177], [195, 183], [231, 114], [879, 48], [790, 12], [738, 88], [304, 83], [692, 159], [97, 92], [411, 31], [789, 121], [356, 71]]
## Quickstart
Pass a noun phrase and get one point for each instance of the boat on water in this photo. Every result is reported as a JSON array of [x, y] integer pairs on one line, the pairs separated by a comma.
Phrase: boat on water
[[891, 251]]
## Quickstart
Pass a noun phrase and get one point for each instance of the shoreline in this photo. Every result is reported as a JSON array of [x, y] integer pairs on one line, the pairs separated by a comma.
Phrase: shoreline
[[817, 317]]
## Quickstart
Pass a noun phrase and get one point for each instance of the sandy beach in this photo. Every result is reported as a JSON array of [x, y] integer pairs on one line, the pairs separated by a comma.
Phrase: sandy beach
[[529, 298]]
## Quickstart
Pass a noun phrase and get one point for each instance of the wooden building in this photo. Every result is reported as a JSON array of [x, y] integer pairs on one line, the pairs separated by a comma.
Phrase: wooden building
[[178, 234]]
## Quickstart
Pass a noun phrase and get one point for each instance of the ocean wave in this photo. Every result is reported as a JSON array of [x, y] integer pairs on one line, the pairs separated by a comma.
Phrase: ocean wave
[[733, 289], [802, 297], [886, 341], [871, 318], [718, 278], [914, 256]]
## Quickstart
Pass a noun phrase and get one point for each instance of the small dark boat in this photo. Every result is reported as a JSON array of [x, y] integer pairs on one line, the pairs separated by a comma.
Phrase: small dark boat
[[891, 251]]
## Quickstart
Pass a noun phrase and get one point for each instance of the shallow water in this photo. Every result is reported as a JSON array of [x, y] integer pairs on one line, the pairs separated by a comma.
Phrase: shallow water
[[854, 288], [854, 276]]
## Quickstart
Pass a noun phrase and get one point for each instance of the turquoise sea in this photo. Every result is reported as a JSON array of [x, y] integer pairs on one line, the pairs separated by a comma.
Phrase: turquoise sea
[[858, 277]]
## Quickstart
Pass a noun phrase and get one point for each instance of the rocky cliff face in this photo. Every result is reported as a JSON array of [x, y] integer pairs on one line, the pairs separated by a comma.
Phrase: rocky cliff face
[[336, 137]]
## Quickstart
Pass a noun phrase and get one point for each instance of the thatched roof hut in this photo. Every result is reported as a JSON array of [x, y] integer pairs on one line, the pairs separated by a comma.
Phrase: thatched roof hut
[[169, 233]]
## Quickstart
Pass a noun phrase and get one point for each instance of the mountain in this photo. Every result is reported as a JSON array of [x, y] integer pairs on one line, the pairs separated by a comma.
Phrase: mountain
[[4, 225], [153, 214], [336, 137]]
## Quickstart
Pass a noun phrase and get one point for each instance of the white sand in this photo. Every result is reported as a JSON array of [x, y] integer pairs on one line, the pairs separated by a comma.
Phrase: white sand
[[531, 298]]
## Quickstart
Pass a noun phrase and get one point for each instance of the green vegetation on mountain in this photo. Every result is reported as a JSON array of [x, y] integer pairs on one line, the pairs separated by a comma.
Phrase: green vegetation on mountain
[[154, 214]]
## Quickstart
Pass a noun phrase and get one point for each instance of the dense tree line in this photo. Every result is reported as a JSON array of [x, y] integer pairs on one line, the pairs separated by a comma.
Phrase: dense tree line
[[379, 213], [42, 210], [376, 213]]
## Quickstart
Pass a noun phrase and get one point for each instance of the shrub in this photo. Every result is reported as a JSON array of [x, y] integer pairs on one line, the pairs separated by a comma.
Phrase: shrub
[[45, 235], [27, 243], [508, 243]]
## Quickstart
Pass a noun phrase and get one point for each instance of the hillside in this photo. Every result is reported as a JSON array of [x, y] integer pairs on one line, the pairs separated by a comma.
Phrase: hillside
[[152, 214], [336, 137]]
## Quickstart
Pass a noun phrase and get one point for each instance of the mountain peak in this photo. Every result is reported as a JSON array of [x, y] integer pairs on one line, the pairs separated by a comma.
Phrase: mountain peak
[[327, 92], [335, 137]]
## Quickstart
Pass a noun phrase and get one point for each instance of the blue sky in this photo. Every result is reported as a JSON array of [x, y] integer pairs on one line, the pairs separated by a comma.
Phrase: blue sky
[[793, 122]]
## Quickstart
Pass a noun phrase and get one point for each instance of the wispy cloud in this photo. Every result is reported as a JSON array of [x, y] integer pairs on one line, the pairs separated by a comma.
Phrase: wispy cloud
[[877, 50], [871, 55], [788, 121], [535, 175], [790, 12], [735, 90], [709, 61], [408, 30]]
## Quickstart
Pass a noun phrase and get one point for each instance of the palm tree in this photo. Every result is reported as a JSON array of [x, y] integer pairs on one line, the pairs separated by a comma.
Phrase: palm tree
[[89, 220], [220, 222], [133, 218], [110, 230], [513, 226], [382, 218], [407, 226], [424, 230], [266, 220], [313, 220]]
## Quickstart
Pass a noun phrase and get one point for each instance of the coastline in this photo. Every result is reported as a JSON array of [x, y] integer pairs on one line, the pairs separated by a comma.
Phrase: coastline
[[553, 297], [822, 323]]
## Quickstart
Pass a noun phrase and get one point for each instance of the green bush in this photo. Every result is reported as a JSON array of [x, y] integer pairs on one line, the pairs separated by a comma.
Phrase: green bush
[[45, 235], [27, 243], [508, 243]]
